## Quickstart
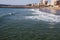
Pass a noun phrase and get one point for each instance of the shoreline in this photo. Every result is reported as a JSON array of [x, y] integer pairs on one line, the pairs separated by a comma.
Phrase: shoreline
[[53, 8]]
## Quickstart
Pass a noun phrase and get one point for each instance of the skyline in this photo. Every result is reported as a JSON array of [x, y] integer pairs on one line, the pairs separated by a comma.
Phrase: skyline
[[18, 2]]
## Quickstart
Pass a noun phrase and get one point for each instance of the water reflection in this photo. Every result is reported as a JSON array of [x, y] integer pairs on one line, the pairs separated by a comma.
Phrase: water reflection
[[52, 25]]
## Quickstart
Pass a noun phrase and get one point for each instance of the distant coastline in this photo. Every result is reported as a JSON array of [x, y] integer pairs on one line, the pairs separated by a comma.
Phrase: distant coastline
[[28, 6], [16, 6]]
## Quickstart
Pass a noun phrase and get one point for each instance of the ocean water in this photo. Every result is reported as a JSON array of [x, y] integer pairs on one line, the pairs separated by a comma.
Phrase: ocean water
[[29, 24]]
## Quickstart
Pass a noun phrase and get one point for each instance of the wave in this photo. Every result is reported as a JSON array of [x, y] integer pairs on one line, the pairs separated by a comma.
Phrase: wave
[[48, 17], [8, 14]]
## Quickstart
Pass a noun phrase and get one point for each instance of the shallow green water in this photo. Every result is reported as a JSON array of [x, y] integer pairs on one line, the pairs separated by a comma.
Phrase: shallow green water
[[15, 26]]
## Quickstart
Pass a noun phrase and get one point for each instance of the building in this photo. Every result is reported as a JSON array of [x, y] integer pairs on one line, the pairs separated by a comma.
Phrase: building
[[55, 3], [29, 5], [52, 2], [44, 2]]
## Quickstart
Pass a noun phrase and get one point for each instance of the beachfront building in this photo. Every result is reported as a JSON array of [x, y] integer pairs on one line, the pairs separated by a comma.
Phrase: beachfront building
[[52, 2], [44, 2], [55, 3]]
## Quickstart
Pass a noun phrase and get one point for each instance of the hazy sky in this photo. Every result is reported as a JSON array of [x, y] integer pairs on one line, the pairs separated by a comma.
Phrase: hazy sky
[[18, 2]]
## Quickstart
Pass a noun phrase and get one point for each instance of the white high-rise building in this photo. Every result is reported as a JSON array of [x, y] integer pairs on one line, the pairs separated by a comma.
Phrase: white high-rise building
[[43, 1], [53, 2]]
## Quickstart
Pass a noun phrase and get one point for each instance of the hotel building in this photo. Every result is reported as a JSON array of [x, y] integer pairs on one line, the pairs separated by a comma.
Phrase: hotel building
[[55, 2], [52, 2], [44, 2]]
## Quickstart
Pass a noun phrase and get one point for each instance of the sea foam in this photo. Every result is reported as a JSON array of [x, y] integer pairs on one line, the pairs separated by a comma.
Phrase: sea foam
[[49, 17]]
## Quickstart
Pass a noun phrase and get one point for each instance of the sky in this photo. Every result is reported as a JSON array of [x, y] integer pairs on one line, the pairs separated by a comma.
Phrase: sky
[[18, 2]]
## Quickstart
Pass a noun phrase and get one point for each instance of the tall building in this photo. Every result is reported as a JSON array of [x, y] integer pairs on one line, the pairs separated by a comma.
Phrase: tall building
[[44, 2], [57, 2], [53, 2]]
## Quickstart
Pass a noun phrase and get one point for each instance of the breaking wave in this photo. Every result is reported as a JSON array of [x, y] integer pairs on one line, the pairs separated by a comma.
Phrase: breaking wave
[[48, 17], [8, 14]]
